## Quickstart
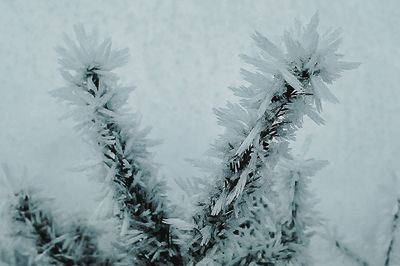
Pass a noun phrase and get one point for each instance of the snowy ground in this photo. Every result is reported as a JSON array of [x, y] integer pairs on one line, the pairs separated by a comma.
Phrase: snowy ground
[[183, 59]]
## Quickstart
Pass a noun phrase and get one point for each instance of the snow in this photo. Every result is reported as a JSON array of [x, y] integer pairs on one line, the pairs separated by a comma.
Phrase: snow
[[184, 56]]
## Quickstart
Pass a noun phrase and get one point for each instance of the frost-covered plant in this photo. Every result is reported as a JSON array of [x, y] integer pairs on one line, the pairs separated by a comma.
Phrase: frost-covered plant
[[35, 237], [244, 205], [296, 222], [132, 192]]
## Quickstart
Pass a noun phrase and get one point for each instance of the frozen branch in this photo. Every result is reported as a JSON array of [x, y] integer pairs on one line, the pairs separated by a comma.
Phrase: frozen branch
[[129, 174], [286, 87]]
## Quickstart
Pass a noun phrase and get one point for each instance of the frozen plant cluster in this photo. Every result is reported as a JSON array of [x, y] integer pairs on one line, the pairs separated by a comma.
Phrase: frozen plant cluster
[[132, 192], [259, 209]]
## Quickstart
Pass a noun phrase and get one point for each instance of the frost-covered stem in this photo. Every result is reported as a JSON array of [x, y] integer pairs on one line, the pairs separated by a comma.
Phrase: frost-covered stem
[[274, 127], [350, 254], [297, 222], [76, 247], [285, 88], [290, 231], [395, 224], [27, 212], [129, 173], [147, 212], [273, 124]]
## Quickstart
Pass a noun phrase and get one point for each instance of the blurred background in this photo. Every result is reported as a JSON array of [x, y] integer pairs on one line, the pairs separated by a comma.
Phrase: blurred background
[[184, 58]]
